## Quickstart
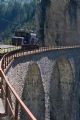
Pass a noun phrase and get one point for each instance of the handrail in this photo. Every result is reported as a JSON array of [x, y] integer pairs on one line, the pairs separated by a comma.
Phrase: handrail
[[18, 98], [9, 87], [5, 61]]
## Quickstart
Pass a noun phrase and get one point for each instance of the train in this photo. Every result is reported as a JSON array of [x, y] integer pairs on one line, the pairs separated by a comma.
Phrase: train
[[27, 40]]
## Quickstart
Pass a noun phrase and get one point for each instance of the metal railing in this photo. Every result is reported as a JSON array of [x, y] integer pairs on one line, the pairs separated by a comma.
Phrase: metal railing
[[7, 89]]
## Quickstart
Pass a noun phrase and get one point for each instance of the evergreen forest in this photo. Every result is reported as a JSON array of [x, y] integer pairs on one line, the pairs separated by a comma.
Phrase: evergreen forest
[[14, 15]]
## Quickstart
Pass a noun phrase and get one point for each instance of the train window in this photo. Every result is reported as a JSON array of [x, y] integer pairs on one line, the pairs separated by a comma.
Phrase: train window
[[25, 42]]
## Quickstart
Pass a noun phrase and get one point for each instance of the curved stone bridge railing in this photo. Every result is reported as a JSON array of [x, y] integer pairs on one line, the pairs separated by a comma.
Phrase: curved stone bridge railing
[[7, 89]]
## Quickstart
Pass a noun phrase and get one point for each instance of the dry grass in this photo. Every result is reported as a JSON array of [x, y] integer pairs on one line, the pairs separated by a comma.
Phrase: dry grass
[[5, 50]]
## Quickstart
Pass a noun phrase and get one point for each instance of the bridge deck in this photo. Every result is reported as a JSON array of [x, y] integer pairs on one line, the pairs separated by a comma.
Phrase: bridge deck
[[2, 109]]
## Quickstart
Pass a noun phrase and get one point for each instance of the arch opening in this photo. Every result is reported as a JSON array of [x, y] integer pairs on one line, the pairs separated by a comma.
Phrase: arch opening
[[61, 90], [33, 93]]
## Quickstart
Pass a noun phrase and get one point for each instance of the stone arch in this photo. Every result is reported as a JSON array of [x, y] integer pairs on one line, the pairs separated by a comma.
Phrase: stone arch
[[33, 93], [61, 90], [77, 91]]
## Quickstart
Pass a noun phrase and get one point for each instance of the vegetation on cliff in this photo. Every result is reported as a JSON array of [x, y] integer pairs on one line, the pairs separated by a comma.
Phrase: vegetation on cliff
[[15, 15]]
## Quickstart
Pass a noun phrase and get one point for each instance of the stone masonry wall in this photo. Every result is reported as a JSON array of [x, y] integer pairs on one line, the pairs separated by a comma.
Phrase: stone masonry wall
[[57, 81], [62, 22]]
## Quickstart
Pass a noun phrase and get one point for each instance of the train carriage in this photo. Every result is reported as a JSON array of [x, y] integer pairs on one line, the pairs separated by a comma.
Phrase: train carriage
[[25, 40]]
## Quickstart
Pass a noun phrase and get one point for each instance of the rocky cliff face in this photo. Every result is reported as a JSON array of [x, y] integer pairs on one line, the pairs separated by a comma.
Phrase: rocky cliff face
[[62, 22]]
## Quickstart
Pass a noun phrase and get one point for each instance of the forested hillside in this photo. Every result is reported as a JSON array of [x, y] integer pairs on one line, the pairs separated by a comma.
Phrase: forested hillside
[[15, 15]]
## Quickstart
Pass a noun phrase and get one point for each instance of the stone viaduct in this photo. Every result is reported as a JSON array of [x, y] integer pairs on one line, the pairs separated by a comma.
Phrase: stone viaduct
[[49, 83]]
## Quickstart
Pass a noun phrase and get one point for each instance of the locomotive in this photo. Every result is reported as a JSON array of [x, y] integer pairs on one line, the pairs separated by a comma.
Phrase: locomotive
[[27, 40]]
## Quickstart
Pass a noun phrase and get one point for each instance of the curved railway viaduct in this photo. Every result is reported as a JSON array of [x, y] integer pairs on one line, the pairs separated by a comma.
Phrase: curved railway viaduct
[[47, 80]]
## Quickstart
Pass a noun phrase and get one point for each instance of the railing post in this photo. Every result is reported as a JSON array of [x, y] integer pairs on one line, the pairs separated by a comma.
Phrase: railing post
[[16, 109], [1, 84], [1, 87], [2, 65], [7, 60], [6, 96]]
